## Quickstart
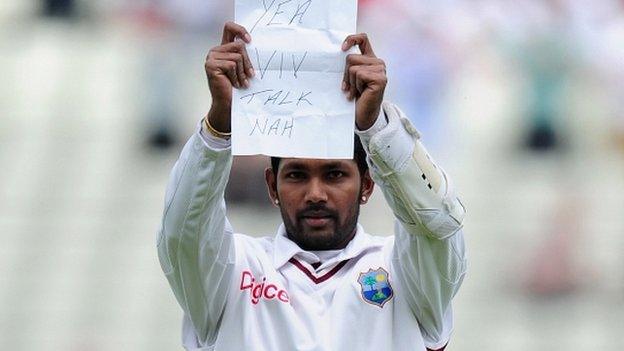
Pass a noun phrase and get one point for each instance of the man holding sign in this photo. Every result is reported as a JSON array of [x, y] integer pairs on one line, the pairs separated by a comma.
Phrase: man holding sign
[[322, 282]]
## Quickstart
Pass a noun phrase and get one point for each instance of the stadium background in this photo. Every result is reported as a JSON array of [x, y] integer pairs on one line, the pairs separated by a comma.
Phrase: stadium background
[[521, 101]]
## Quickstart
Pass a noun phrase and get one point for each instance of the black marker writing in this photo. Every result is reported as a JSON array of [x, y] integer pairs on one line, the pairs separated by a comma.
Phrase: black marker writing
[[282, 9], [303, 98], [296, 67], [278, 97], [259, 128], [279, 127], [297, 63], [281, 65], [278, 12], [266, 67], [252, 95], [275, 97], [301, 11], [284, 102], [266, 10], [288, 127]]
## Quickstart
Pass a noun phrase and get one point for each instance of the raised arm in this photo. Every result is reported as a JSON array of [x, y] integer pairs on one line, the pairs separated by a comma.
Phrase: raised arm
[[195, 244], [428, 255]]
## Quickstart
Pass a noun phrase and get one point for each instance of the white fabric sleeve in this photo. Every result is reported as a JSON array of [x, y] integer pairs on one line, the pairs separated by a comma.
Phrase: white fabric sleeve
[[429, 254], [212, 141], [195, 243], [380, 123]]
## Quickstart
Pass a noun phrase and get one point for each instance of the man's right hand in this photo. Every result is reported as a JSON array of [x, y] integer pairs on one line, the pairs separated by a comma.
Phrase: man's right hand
[[227, 66]]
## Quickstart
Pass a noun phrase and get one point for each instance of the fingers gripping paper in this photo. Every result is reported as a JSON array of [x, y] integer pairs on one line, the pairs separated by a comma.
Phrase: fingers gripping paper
[[294, 106]]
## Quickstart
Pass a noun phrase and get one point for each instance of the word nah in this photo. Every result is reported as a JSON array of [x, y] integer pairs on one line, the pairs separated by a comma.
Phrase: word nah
[[260, 290], [279, 127]]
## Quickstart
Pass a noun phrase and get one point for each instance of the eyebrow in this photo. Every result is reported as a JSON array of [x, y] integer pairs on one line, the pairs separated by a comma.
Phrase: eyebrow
[[294, 166], [298, 166], [333, 165]]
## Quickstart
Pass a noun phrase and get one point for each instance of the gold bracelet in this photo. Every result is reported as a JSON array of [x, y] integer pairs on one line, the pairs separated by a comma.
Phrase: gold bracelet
[[215, 132]]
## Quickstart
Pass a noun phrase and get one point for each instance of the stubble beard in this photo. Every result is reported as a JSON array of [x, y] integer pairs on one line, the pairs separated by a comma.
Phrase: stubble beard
[[338, 236]]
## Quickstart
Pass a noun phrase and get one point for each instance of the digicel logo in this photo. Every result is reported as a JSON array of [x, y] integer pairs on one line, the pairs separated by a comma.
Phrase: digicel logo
[[261, 290]]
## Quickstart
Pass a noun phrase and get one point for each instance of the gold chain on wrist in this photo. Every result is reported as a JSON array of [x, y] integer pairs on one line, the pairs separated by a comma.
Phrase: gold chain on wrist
[[215, 132]]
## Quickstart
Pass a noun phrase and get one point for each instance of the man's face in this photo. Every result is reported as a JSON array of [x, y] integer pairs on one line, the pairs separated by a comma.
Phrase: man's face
[[319, 200]]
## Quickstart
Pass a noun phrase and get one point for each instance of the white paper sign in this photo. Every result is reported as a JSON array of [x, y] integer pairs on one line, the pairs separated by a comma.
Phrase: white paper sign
[[294, 106]]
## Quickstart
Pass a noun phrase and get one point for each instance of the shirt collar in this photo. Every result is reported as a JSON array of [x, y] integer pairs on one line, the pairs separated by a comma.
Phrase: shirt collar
[[284, 249]]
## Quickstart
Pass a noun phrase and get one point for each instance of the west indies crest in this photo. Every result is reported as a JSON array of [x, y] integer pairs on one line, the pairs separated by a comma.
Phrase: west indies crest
[[375, 287]]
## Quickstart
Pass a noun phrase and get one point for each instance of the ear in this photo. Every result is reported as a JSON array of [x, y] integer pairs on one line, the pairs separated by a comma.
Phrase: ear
[[368, 185], [271, 181]]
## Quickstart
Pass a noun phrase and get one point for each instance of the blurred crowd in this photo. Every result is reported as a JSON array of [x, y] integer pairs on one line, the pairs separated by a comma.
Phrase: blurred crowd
[[559, 61], [548, 43]]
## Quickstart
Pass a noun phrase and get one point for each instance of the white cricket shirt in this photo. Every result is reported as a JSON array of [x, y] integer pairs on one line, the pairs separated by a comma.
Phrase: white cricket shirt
[[379, 293]]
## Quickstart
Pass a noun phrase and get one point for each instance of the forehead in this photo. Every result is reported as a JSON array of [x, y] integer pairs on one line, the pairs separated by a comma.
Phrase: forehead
[[316, 164]]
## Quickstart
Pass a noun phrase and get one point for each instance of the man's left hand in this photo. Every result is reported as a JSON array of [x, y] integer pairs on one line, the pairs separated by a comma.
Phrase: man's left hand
[[364, 80]]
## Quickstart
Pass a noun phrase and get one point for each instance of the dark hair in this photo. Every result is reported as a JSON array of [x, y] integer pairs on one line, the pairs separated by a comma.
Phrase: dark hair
[[359, 156]]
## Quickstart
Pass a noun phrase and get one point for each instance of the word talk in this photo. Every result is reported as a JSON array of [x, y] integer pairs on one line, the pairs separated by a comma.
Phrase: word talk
[[279, 97]]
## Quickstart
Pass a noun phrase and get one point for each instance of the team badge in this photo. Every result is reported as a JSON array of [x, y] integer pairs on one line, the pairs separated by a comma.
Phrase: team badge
[[376, 287]]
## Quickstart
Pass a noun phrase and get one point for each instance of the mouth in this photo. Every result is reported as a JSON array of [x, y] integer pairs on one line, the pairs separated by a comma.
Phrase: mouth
[[317, 222], [317, 219]]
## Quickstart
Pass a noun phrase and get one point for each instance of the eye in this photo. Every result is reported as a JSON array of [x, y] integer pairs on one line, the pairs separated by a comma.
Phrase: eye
[[295, 175], [335, 174]]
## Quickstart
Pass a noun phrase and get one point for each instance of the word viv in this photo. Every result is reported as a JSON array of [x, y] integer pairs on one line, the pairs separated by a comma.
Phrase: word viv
[[284, 62], [261, 290], [282, 12]]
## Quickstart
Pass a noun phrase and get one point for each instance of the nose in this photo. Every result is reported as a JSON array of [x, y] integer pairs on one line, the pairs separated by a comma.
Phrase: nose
[[316, 191]]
